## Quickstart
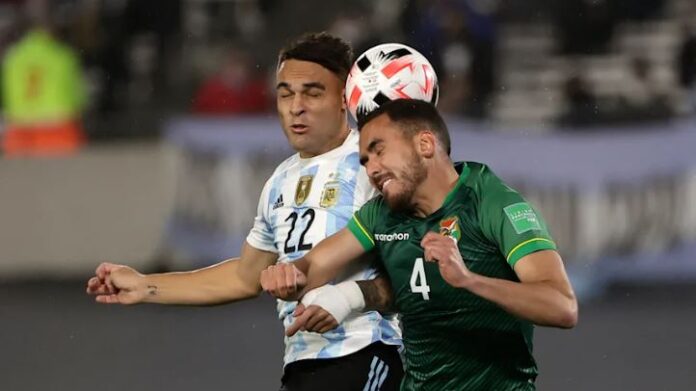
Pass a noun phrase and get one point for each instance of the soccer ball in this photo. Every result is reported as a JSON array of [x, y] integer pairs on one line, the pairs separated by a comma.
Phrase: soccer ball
[[387, 72]]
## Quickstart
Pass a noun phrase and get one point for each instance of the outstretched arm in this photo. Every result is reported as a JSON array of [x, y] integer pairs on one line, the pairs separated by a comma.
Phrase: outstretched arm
[[543, 296], [230, 280]]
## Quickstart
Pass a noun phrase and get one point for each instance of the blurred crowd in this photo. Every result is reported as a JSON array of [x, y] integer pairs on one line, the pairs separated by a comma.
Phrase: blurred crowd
[[101, 69]]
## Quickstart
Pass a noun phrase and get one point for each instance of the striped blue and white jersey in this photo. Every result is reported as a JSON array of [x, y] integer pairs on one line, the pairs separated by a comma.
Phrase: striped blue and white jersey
[[303, 202]]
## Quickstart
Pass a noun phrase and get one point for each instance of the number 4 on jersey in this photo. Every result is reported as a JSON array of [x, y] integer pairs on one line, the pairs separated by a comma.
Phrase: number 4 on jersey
[[418, 275]]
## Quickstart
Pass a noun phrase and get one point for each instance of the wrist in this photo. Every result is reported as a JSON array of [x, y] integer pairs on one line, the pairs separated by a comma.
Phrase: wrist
[[339, 300], [148, 288], [353, 294], [470, 282]]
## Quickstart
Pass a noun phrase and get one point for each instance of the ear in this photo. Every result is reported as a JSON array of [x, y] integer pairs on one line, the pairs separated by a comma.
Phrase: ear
[[427, 142], [344, 104]]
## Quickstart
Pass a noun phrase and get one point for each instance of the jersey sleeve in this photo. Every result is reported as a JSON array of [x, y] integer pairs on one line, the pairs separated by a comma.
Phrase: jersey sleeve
[[261, 234], [362, 224], [511, 222]]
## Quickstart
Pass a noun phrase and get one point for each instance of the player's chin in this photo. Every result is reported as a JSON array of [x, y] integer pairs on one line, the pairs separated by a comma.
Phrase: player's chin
[[299, 142], [397, 201]]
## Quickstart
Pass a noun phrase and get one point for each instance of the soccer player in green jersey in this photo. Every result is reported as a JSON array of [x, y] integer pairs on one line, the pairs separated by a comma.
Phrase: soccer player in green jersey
[[472, 264]]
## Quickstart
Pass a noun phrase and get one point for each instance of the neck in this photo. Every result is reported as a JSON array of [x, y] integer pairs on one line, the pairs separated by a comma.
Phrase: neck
[[431, 194]]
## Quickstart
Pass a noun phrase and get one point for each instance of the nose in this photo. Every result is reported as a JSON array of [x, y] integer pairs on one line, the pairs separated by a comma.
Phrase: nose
[[297, 106], [373, 169]]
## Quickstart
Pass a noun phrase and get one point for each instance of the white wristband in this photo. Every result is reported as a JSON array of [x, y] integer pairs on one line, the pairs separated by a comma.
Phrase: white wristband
[[352, 292], [338, 300]]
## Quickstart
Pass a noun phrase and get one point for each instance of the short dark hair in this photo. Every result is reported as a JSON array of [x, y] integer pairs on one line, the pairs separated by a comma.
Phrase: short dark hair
[[412, 115], [329, 51]]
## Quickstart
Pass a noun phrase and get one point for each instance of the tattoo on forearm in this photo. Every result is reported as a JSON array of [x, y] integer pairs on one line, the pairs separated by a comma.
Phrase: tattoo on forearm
[[377, 294], [152, 290]]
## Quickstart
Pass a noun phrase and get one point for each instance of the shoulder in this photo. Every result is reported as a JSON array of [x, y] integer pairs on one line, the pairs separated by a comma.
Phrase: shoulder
[[482, 177], [285, 166], [281, 171]]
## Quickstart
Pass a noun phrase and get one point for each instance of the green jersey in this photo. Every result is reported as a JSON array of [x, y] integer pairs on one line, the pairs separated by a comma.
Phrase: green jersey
[[455, 340]]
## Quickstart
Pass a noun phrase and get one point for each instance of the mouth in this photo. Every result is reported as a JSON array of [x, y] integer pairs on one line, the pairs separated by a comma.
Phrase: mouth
[[383, 183], [299, 128]]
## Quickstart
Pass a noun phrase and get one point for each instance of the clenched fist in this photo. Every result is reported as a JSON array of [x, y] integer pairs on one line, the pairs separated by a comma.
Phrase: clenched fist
[[443, 250], [116, 284], [284, 281]]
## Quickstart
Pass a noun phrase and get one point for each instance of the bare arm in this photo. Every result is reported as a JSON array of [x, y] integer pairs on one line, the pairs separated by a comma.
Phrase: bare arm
[[378, 294], [543, 296], [230, 280]]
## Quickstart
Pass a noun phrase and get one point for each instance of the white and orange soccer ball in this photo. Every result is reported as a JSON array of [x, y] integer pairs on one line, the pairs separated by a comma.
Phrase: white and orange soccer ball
[[387, 72]]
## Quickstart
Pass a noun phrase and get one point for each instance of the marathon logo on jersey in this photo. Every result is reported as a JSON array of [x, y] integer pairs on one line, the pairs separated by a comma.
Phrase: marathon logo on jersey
[[304, 186], [329, 196], [278, 203], [522, 217], [392, 237], [450, 227]]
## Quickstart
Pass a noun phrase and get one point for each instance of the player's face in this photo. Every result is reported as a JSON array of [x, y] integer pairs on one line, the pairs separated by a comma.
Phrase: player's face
[[392, 162], [311, 107]]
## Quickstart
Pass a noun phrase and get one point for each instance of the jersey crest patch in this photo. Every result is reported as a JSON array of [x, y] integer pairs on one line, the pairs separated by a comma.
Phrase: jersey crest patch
[[304, 185], [330, 194], [450, 227], [522, 217]]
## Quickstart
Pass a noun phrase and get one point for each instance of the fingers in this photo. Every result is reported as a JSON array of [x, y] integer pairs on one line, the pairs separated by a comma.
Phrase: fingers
[[280, 280], [298, 324], [428, 254], [97, 287], [327, 325], [299, 309], [430, 237], [285, 281], [101, 283], [109, 283], [437, 247], [107, 299], [290, 278], [312, 319], [318, 315], [104, 269], [433, 252], [93, 285]]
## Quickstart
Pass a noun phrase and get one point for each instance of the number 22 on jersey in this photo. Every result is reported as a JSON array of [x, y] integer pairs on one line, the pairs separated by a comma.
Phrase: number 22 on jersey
[[418, 282], [307, 218]]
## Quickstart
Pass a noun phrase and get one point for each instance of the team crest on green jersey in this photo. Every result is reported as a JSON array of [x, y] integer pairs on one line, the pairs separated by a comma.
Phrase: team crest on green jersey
[[329, 196], [304, 185], [450, 227]]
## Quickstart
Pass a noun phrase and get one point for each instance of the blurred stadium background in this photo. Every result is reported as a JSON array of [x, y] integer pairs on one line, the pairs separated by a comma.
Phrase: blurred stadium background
[[587, 106]]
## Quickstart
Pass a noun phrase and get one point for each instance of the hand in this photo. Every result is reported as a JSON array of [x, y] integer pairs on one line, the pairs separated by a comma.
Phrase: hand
[[443, 250], [283, 281], [116, 284], [312, 318]]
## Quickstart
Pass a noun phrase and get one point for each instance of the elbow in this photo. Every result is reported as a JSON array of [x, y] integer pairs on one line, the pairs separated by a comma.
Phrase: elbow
[[568, 320], [568, 317]]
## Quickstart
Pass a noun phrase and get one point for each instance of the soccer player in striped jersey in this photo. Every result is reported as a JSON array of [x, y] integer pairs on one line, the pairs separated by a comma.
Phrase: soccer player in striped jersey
[[310, 196], [471, 263]]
